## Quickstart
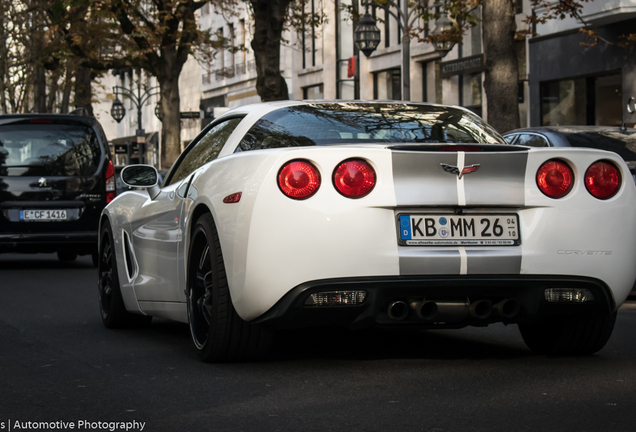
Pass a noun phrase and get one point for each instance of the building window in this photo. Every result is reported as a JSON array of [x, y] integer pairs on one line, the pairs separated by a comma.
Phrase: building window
[[596, 100], [232, 43], [311, 37], [387, 28], [471, 92], [388, 85], [243, 47], [314, 92], [346, 86]]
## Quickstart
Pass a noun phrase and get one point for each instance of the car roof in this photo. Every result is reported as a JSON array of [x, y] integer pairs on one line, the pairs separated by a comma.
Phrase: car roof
[[573, 129], [61, 118], [263, 108]]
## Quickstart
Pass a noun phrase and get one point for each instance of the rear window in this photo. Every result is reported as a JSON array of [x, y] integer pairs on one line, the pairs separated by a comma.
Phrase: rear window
[[327, 124], [622, 143], [48, 150]]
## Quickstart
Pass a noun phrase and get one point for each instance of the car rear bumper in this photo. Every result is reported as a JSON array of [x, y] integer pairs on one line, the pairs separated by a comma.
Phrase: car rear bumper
[[456, 297], [80, 242]]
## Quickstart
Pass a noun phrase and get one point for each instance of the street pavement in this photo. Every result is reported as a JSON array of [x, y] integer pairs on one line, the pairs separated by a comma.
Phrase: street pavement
[[60, 366]]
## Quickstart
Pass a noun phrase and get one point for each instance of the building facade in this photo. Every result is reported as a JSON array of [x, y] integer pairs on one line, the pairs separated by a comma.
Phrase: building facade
[[561, 82], [584, 85]]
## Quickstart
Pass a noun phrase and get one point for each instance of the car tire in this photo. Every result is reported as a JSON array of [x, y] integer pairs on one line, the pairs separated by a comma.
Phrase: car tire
[[66, 256], [569, 336], [219, 334], [111, 302]]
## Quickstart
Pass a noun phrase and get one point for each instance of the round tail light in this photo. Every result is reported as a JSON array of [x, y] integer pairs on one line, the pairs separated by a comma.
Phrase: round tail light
[[555, 178], [299, 179], [354, 178], [602, 179]]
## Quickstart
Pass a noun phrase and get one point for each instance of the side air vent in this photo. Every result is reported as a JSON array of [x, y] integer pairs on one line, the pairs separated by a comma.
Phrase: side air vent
[[131, 265]]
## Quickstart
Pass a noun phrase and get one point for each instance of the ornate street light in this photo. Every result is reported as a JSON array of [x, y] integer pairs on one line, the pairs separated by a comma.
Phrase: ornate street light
[[117, 110], [442, 25], [139, 98], [367, 34], [158, 111]]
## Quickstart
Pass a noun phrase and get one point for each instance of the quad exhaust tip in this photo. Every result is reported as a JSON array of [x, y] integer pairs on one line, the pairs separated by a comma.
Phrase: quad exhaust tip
[[508, 308], [481, 309], [453, 310], [398, 310]]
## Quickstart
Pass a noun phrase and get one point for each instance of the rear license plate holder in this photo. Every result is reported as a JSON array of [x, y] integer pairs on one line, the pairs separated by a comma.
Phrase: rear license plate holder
[[439, 229]]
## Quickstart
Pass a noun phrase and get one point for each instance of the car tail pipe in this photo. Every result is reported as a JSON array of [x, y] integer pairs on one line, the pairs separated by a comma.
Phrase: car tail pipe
[[507, 308], [442, 310], [453, 310], [397, 310], [481, 309]]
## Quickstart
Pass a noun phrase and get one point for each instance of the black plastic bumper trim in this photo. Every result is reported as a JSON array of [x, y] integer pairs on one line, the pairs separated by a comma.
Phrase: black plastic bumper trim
[[528, 290]]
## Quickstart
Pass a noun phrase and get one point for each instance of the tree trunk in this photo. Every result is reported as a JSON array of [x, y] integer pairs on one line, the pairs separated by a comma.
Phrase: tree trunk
[[39, 89], [83, 89], [269, 18], [66, 91], [55, 77], [502, 73], [3, 61], [170, 119]]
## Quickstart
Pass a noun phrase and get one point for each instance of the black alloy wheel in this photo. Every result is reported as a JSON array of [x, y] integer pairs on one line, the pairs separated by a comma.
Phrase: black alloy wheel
[[219, 334], [111, 303]]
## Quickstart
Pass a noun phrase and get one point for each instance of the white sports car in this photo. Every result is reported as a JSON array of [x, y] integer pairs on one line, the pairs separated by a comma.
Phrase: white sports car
[[370, 214]]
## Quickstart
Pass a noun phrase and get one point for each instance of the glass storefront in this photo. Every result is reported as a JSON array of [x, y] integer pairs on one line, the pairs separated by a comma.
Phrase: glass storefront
[[582, 101]]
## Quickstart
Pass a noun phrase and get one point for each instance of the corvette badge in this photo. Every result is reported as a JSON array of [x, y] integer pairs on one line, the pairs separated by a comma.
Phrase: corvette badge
[[455, 170]]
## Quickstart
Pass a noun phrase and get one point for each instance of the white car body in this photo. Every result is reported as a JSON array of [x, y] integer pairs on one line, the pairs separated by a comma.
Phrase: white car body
[[273, 246]]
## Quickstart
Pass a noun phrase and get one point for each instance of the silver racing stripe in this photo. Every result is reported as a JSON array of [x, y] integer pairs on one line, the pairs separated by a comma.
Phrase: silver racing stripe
[[425, 261], [418, 260], [419, 179], [500, 179], [500, 260], [424, 179]]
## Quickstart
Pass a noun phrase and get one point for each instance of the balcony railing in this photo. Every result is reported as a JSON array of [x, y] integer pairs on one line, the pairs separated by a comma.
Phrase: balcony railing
[[232, 71]]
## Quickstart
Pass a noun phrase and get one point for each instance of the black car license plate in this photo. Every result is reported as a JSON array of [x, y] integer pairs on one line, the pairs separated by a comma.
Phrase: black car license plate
[[42, 215], [459, 230]]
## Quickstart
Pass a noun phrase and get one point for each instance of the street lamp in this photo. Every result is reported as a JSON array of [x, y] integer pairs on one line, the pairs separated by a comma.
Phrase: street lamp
[[158, 111], [442, 25], [117, 111], [367, 35]]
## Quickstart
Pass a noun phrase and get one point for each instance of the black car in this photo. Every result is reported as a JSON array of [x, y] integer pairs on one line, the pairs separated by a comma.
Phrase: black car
[[615, 139], [56, 176]]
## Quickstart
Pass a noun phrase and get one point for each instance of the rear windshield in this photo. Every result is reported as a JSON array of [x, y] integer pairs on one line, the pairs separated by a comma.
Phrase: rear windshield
[[326, 124], [48, 150], [622, 143]]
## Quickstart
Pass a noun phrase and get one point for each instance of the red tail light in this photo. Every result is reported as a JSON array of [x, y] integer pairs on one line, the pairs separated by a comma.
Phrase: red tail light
[[299, 179], [602, 179], [354, 178], [111, 192], [555, 178]]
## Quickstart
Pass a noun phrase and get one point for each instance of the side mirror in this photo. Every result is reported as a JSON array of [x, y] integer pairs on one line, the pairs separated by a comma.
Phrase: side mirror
[[142, 176]]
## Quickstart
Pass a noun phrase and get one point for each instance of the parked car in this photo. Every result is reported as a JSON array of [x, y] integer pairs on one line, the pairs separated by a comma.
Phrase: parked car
[[56, 177], [399, 215], [618, 140]]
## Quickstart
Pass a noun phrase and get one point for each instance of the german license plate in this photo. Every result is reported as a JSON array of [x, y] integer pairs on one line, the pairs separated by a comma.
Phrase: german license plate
[[459, 230], [43, 215]]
